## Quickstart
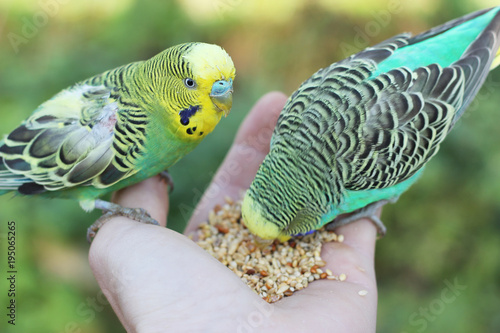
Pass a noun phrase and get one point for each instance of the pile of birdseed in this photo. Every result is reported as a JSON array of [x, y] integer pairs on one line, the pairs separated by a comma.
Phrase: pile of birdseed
[[275, 271]]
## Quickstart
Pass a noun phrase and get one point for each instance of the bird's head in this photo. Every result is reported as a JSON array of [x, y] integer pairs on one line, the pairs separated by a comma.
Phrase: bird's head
[[259, 222], [277, 206], [195, 82], [281, 224], [213, 73]]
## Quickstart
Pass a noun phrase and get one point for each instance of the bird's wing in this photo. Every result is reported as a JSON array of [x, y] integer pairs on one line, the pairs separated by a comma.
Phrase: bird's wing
[[72, 139], [370, 132], [372, 120], [399, 127], [412, 110]]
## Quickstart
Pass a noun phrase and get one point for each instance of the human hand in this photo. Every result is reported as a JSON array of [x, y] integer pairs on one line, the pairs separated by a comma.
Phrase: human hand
[[158, 280]]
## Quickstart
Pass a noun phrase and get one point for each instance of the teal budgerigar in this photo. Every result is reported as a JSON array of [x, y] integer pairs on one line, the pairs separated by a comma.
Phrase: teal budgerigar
[[358, 133], [119, 128]]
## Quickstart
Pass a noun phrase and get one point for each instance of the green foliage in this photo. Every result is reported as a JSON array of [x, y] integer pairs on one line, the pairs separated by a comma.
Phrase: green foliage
[[445, 228]]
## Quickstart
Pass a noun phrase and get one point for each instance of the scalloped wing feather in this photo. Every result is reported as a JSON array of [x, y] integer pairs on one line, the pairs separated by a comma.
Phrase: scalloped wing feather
[[66, 142], [376, 129]]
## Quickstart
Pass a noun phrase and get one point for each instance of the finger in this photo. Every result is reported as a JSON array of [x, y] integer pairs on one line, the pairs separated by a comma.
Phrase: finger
[[355, 298], [355, 255], [241, 163], [150, 194]]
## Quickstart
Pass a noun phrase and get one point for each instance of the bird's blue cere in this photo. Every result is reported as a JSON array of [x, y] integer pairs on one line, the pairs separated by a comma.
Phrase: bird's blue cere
[[221, 88], [222, 95]]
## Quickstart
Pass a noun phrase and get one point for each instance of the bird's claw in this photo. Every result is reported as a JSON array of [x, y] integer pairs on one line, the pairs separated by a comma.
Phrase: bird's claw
[[165, 176], [365, 212], [110, 210]]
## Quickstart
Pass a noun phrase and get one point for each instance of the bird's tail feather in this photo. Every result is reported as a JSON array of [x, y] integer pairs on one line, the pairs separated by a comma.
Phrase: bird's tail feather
[[496, 61], [479, 58], [10, 181]]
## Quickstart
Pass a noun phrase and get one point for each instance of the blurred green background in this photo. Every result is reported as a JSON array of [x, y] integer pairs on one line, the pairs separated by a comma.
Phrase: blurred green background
[[444, 231]]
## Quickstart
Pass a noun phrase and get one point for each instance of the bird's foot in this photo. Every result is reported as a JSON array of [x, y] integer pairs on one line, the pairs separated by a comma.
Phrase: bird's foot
[[111, 209], [168, 179], [368, 211]]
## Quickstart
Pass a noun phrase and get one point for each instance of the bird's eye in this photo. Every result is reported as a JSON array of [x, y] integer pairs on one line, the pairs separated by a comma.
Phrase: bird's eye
[[189, 83]]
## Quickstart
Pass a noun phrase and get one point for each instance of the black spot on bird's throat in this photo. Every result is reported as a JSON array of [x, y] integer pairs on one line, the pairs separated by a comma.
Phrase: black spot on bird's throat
[[191, 130], [188, 113]]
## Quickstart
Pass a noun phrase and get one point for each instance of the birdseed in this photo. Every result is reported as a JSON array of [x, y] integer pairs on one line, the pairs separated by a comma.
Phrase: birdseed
[[276, 271], [363, 292]]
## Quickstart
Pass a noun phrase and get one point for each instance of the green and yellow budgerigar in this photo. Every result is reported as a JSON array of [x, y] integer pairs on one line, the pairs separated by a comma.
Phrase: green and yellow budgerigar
[[358, 133], [119, 128]]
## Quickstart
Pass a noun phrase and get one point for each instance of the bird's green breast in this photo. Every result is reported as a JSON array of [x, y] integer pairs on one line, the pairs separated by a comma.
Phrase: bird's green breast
[[163, 147]]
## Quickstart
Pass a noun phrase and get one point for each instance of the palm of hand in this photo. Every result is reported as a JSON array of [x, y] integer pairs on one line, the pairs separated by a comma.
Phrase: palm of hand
[[158, 280]]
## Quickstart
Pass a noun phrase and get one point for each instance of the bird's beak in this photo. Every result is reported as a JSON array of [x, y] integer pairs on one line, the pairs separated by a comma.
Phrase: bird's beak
[[263, 243], [222, 95]]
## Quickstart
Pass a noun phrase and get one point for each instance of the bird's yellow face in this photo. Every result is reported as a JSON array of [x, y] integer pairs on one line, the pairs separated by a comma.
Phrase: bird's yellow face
[[255, 220], [207, 88]]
